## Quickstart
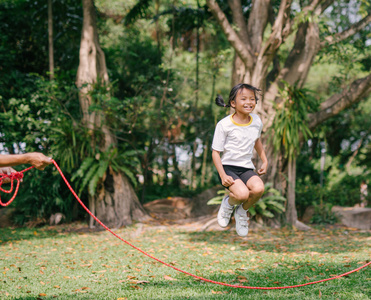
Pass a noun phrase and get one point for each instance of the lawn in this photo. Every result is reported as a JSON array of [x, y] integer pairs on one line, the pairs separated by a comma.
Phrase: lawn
[[65, 263]]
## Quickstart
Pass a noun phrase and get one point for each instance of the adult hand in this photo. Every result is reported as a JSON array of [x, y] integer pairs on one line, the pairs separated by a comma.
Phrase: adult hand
[[227, 181], [263, 169], [38, 160], [7, 171]]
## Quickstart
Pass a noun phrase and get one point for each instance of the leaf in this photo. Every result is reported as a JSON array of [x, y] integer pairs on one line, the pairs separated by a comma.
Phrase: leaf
[[84, 166], [169, 278], [88, 176], [93, 184], [217, 292], [129, 174], [215, 200], [136, 287]]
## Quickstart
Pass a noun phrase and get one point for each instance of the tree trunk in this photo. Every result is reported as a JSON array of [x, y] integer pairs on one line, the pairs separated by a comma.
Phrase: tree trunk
[[50, 39], [291, 213], [116, 204]]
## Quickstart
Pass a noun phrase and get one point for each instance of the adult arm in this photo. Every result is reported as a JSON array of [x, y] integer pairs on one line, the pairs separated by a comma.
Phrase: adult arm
[[260, 149], [226, 180], [38, 160]]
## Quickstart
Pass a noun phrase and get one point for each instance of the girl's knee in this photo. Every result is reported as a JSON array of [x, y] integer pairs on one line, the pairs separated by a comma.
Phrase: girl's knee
[[258, 189], [241, 196]]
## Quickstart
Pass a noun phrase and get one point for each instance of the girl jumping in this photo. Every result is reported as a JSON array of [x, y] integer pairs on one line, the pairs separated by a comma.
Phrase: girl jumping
[[236, 136]]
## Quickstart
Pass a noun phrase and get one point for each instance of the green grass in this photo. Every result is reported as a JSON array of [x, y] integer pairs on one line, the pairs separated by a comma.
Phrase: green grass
[[51, 262]]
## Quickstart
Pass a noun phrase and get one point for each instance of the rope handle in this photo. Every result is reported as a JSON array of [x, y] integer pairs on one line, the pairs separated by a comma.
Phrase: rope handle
[[13, 176], [164, 263]]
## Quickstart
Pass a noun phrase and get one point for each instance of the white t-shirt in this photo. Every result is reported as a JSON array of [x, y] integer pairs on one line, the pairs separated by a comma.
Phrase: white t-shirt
[[237, 141]]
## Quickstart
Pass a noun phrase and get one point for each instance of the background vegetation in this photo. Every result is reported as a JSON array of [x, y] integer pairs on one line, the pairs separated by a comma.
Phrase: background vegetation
[[162, 110]]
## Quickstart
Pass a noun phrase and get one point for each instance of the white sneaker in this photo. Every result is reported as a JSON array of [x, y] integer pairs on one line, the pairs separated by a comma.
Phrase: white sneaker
[[242, 226], [225, 213]]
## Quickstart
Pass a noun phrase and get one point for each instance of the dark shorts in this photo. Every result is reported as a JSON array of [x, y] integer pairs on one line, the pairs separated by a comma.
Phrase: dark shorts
[[238, 173]]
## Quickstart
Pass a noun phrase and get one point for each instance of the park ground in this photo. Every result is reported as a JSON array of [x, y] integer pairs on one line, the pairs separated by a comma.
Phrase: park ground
[[72, 262]]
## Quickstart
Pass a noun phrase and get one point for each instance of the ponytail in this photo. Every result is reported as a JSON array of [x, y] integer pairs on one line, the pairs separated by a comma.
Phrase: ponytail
[[220, 101]]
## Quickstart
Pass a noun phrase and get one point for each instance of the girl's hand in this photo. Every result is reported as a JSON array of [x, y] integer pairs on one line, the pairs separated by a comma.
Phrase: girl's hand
[[7, 171], [263, 169], [227, 181]]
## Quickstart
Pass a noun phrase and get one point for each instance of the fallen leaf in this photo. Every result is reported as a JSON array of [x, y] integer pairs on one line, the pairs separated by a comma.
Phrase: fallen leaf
[[42, 294], [102, 271], [57, 286], [139, 281], [136, 287], [169, 278], [85, 288]]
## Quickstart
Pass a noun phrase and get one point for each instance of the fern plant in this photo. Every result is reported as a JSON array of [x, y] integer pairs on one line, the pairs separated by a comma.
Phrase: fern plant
[[271, 202], [93, 169]]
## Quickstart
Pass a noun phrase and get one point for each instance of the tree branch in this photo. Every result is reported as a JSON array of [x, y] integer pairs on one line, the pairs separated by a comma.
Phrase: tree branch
[[230, 33], [341, 36], [275, 39], [336, 103], [239, 19], [261, 10]]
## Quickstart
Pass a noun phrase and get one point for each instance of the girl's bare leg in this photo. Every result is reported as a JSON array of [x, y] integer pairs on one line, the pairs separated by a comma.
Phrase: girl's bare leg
[[256, 189], [238, 193]]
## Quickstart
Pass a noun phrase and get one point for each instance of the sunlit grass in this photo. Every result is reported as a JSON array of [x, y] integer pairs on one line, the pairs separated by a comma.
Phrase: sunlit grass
[[51, 262]]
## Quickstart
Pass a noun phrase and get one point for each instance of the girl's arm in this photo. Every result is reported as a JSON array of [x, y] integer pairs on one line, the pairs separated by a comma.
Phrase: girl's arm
[[226, 180], [260, 149]]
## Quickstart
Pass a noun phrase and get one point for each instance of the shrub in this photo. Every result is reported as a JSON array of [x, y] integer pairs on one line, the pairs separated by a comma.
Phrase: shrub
[[323, 214]]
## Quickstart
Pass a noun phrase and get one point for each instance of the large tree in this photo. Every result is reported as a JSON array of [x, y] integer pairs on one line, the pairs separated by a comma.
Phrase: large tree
[[257, 59], [116, 203]]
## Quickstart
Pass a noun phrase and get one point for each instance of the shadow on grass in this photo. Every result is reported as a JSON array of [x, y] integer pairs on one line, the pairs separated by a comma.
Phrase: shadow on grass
[[17, 234], [285, 241]]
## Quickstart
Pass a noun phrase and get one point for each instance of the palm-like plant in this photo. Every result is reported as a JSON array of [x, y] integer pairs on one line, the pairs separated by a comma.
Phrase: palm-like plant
[[289, 129]]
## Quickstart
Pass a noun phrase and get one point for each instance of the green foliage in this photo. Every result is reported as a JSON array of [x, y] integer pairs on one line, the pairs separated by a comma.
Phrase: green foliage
[[345, 192], [41, 194], [268, 206], [217, 199], [290, 119], [139, 10], [323, 214], [36, 116]]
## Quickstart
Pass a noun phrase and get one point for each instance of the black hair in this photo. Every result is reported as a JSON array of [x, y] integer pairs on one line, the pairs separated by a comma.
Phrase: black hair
[[233, 94]]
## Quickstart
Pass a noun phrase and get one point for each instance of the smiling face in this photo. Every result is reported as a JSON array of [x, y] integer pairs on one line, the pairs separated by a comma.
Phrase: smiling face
[[245, 102]]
